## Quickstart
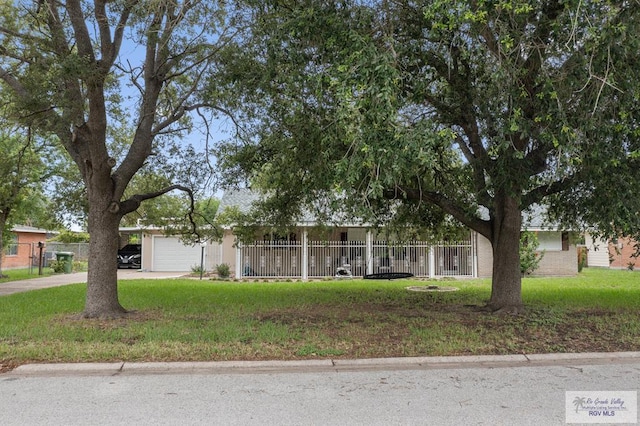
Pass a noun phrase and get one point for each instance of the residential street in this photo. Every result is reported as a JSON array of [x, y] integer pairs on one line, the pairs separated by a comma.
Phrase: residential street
[[437, 391]]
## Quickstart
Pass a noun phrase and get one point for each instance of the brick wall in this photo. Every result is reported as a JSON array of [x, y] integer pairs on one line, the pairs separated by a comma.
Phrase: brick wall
[[621, 254], [22, 259], [558, 263], [554, 263]]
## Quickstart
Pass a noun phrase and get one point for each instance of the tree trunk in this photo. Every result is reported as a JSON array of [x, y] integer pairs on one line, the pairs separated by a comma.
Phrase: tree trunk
[[102, 281], [506, 282], [3, 222]]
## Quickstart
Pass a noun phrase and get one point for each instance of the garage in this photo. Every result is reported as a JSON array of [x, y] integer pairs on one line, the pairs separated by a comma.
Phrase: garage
[[171, 255]]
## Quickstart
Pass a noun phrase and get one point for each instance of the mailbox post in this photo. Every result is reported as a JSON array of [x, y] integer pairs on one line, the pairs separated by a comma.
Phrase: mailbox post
[[40, 248]]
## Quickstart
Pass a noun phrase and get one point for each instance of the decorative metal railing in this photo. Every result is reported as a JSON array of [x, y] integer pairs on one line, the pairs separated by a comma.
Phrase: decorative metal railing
[[323, 258]]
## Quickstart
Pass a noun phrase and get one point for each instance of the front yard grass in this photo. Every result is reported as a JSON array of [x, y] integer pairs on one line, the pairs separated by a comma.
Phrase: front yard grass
[[23, 274], [185, 319]]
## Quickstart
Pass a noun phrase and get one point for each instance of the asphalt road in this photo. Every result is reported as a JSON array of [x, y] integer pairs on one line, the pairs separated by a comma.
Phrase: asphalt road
[[428, 391]]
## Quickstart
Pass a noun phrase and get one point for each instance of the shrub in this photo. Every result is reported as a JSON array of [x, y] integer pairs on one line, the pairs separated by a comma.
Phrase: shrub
[[530, 257], [67, 237], [80, 266], [196, 269], [223, 270], [57, 266], [582, 258]]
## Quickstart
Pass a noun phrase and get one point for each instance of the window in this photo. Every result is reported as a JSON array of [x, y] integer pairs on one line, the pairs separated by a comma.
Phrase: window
[[549, 241], [12, 247]]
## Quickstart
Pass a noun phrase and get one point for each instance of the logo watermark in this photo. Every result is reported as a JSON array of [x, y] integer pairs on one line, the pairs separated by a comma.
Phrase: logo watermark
[[601, 406]]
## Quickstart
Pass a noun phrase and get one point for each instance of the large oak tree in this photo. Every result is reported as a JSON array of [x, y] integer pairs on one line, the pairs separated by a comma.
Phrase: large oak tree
[[418, 111], [73, 65]]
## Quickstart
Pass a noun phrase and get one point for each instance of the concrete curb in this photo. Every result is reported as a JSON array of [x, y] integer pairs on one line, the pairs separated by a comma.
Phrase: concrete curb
[[334, 365]]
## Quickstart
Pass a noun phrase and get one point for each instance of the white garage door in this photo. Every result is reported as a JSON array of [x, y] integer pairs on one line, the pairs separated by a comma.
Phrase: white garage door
[[170, 255]]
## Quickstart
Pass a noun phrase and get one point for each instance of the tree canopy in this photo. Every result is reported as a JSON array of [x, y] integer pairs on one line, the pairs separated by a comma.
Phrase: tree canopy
[[24, 168], [419, 111]]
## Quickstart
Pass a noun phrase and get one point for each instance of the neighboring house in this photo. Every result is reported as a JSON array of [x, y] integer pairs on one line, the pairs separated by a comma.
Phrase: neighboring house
[[597, 252], [618, 253], [22, 251], [622, 252], [300, 255], [168, 253]]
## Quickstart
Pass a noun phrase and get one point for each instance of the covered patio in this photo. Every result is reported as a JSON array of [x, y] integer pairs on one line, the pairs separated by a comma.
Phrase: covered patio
[[307, 259]]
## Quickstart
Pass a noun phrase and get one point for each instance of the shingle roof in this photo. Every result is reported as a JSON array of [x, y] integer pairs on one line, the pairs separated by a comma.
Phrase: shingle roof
[[242, 198], [533, 219]]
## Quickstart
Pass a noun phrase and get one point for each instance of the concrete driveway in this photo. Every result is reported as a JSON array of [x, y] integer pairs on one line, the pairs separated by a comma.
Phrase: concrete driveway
[[79, 277]]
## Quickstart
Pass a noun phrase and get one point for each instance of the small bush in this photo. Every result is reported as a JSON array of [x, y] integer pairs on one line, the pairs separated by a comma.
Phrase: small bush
[[80, 266], [196, 269], [582, 258], [57, 266], [530, 257], [223, 270]]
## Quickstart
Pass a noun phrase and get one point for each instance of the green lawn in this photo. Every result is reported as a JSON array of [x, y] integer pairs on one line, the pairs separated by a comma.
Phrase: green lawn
[[23, 274], [183, 319]]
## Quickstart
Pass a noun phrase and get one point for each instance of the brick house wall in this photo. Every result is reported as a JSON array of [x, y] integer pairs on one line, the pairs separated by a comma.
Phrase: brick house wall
[[562, 260], [621, 254], [27, 246], [558, 263]]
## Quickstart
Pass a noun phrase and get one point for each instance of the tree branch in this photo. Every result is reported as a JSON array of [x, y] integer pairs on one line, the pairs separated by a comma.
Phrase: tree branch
[[132, 204], [474, 222], [537, 194], [82, 37]]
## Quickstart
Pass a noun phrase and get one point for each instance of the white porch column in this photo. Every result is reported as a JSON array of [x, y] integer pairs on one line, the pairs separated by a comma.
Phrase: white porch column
[[305, 255], [474, 253], [432, 262], [239, 260], [369, 252]]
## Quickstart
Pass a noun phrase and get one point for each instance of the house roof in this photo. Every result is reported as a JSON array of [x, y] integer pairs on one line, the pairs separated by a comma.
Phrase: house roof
[[533, 219], [29, 230], [243, 199]]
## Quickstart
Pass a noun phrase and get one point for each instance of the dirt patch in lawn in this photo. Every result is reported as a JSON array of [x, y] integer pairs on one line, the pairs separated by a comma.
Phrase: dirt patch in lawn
[[384, 326], [383, 330]]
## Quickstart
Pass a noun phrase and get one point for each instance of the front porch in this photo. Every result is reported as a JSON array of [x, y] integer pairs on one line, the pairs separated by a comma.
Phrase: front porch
[[307, 259]]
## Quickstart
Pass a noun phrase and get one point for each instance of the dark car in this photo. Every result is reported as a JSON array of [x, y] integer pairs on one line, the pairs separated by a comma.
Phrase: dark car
[[130, 256]]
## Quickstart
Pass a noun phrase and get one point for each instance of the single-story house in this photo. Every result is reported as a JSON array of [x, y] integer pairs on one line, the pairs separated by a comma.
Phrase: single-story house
[[597, 251], [622, 253], [363, 251], [168, 253], [22, 251], [618, 253]]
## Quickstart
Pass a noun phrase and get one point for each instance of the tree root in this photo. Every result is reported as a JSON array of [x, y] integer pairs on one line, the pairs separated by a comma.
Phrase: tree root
[[513, 310], [111, 315]]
